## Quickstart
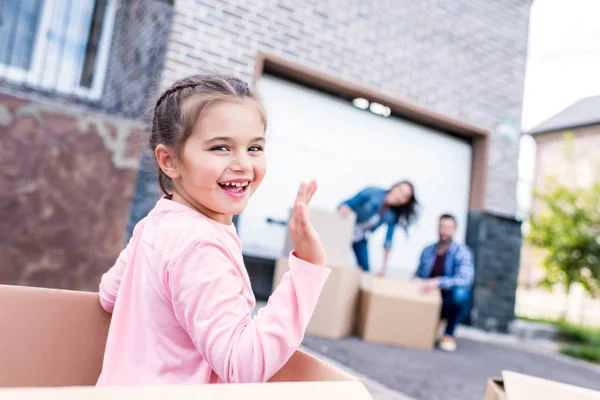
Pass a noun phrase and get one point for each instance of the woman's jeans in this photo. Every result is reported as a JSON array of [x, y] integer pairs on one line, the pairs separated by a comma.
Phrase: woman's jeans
[[361, 250], [455, 307]]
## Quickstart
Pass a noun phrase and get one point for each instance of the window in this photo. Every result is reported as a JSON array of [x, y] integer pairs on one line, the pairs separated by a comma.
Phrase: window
[[56, 45]]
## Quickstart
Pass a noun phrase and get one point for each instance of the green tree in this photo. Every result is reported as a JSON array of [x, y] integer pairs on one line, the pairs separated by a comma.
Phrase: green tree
[[567, 227]]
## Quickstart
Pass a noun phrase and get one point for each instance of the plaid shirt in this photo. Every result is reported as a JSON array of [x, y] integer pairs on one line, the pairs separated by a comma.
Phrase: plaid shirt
[[458, 266]]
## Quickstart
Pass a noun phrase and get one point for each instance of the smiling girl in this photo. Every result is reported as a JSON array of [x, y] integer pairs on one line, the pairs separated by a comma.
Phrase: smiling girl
[[179, 293]]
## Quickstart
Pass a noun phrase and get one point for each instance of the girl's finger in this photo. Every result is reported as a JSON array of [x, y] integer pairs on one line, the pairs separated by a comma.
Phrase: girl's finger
[[302, 220], [312, 189], [306, 190], [296, 215], [301, 193]]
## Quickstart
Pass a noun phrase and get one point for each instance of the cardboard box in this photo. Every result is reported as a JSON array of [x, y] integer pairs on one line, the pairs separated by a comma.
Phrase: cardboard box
[[50, 337], [396, 312], [515, 386], [336, 234], [495, 389], [303, 377], [54, 340], [335, 313], [270, 391]]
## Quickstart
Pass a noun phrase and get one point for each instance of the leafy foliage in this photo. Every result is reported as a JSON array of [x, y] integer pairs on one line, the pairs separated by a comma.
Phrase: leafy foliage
[[568, 229]]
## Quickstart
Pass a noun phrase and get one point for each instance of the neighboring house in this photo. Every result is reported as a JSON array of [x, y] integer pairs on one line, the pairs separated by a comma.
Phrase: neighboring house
[[567, 148], [371, 93]]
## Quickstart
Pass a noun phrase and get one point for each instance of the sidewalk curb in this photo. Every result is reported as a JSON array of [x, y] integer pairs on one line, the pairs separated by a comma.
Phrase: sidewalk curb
[[542, 346]]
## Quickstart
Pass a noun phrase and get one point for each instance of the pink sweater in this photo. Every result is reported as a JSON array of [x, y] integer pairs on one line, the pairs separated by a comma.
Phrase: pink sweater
[[181, 302]]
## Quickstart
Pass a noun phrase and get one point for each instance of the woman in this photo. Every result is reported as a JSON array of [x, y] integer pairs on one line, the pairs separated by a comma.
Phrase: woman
[[374, 207]]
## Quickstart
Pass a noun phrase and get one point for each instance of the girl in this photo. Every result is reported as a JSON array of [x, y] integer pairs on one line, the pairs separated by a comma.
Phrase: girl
[[374, 207], [179, 293]]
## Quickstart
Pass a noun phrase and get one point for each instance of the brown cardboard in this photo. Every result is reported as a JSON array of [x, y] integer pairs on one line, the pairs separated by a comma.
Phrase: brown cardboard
[[396, 312], [336, 234], [353, 390], [56, 338], [515, 386], [334, 314], [495, 390], [50, 337]]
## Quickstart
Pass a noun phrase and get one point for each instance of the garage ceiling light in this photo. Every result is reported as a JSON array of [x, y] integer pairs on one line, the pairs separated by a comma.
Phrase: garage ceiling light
[[375, 108], [361, 103], [380, 109]]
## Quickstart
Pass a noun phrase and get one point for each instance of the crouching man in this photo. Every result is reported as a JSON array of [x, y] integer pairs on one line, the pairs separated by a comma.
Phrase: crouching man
[[448, 266]]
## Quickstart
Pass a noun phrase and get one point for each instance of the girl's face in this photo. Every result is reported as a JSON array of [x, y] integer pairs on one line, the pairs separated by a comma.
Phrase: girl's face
[[399, 195], [223, 161]]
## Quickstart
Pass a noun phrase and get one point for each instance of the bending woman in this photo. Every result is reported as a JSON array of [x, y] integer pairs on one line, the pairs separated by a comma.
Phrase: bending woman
[[374, 207]]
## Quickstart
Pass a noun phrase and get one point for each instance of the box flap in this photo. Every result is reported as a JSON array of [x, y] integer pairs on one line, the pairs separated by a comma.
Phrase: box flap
[[399, 288], [495, 390], [302, 367], [39, 326], [276, 391], [525, 387]]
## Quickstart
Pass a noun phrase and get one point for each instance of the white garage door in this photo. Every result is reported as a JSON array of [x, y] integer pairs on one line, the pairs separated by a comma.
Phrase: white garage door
[[315, 135]]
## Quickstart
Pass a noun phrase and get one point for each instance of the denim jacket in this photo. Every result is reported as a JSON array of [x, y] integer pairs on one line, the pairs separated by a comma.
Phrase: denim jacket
[[458, 266], [366, 204]]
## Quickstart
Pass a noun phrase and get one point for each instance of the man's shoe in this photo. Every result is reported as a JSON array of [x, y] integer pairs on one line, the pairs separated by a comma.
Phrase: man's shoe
[[447, 343]]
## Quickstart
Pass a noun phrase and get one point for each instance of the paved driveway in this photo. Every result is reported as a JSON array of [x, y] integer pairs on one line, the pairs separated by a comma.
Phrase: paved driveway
[[435, 375]]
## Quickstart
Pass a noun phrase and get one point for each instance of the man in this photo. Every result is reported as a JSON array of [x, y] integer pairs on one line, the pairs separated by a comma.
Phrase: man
[[448, 266]]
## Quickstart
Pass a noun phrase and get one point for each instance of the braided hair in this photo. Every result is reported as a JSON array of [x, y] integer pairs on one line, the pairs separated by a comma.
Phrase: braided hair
[[177, 109]]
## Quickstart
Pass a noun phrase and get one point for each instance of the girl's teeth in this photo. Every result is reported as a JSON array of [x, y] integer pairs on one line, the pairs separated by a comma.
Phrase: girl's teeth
[[235, 184]]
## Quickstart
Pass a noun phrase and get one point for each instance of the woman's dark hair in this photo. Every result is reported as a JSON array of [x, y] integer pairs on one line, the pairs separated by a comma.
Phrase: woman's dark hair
[[406, 214], [178, 108]]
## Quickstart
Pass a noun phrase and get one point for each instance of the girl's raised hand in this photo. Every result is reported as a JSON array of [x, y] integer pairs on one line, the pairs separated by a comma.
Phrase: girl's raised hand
[[307, 245]]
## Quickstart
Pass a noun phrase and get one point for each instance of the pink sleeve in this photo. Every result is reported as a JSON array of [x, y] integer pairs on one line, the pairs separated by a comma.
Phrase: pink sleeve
[[111, 280], [209, 301]]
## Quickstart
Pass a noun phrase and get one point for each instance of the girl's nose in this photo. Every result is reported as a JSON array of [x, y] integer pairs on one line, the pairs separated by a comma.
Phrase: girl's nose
[[242, 163]]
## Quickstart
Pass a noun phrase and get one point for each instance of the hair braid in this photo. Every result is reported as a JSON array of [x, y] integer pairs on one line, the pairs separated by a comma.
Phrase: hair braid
[[172, 122]]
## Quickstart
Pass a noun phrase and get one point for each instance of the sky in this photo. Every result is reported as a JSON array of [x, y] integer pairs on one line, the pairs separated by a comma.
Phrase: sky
[[563, 57], [563, 66]]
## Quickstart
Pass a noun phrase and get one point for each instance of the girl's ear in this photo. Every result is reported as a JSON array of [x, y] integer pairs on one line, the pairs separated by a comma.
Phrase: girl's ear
[[167, 161]]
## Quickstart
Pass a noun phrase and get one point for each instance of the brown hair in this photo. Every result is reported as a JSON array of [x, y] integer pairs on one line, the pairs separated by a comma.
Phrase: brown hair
[[178, 108], [406, 214]]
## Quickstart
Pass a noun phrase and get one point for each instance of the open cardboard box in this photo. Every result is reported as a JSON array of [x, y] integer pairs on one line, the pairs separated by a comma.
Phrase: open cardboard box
[[336, 234], [54, 340], [515, 386], [396, 312], [335, 312]]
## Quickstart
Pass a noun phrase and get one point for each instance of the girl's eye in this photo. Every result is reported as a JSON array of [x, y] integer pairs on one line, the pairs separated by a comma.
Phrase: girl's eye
[[219, 148], [255, 148]]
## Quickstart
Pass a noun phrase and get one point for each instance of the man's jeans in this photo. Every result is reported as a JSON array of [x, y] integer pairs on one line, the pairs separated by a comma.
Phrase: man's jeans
[[455, 307]]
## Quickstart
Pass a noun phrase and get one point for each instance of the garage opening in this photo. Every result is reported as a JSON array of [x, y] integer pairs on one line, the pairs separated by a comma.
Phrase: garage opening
[[342, 142]]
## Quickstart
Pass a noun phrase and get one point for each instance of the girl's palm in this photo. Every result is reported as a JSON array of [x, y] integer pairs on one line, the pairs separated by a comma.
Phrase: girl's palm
[[307, 245]]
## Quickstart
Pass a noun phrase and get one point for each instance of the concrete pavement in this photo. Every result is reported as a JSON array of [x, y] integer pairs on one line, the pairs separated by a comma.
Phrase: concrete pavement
[[377, 390]]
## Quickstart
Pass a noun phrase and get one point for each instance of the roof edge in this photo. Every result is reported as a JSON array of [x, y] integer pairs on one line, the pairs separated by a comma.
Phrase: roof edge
[[534, 132]]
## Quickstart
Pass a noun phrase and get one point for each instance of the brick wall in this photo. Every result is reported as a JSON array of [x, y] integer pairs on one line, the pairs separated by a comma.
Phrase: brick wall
[[138, 49], [66, 186], [69, 169], [463, 58]]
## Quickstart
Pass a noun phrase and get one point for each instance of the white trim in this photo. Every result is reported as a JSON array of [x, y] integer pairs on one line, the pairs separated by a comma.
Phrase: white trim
[[95, 92], [40, 44], [35, 75]]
